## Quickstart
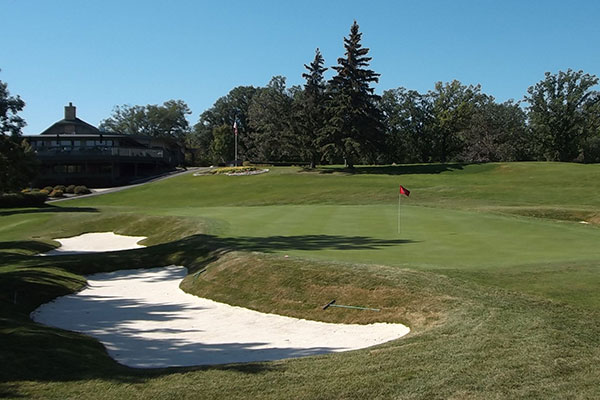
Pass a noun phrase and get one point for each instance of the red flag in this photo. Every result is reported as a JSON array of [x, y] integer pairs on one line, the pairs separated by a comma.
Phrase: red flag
[[235, 128], [404, 191]]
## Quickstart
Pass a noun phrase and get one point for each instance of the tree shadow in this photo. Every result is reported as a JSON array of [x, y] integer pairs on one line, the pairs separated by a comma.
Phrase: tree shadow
[[28, 245], [143, 330], [412, 169], [51, 354], [269, 244], [46, 209]]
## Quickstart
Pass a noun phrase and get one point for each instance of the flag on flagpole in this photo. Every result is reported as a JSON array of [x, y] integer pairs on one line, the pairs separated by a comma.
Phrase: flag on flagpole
[[404, 191], [235, 130]]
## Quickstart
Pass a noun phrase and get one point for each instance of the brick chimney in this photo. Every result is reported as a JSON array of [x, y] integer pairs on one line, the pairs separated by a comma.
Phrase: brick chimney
[[70, 112]]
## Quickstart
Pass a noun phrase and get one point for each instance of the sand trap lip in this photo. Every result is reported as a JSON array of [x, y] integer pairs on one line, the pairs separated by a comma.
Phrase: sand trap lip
[[94, 243], [144, 320]]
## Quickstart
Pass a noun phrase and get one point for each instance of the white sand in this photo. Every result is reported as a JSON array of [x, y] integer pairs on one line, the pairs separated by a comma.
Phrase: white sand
[[146, 321], [95, 242]]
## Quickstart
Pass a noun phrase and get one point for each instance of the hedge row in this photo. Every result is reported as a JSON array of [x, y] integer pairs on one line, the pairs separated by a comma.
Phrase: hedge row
[[29, 199]]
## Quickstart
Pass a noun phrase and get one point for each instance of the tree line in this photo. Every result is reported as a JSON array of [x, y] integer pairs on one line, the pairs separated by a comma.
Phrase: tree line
[[342, 120]]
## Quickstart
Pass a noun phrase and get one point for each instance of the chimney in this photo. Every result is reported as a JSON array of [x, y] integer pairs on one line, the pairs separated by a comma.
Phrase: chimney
[[70, 112]]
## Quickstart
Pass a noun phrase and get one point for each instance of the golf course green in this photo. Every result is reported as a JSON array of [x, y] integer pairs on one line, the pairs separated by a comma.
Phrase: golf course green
[[495, 268]]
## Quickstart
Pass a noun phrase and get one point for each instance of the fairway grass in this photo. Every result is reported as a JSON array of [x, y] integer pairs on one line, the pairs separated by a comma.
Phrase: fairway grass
[[491, 270]]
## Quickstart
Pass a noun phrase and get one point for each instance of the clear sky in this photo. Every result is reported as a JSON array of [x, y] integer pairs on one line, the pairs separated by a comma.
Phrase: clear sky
[[102, 53]]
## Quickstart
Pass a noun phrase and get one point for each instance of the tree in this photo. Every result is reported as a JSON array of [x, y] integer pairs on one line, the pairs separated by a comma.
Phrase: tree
[[453, 105], [355, 130], [167, 120], [408, 121], [309, 114], [227, 109], [560, 107], [18, 165], [496, 132], [269, 114], [222, 146]]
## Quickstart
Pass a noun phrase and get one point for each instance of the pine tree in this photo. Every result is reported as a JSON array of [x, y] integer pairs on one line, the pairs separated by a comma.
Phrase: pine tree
[[355, 129], [309, 110]]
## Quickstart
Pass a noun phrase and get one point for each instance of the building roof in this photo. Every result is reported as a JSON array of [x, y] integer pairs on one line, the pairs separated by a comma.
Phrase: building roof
[[71, 125]]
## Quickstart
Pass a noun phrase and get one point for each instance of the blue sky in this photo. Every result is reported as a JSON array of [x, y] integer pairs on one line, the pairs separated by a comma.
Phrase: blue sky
[[102, 53]]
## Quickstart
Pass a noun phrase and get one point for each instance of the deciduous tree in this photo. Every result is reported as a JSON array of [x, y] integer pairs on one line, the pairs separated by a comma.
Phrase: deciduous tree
[[270, 115], [18, 165], [168, 120], [560, 108]]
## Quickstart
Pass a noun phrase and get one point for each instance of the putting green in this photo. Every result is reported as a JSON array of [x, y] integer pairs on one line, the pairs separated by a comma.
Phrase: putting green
[[429, 237]]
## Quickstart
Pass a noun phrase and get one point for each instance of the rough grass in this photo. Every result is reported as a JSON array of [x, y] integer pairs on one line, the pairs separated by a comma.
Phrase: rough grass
[[468, 341]]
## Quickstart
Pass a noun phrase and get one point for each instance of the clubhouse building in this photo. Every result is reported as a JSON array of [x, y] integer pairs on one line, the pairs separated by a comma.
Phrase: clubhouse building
[[71, 151]]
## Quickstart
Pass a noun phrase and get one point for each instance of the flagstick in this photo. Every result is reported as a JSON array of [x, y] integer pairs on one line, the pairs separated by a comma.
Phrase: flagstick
[[236, 158], [399, 198]]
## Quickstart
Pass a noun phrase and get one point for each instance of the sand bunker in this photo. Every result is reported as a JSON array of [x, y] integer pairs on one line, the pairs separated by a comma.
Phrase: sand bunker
[[95, 242], [146, 321]]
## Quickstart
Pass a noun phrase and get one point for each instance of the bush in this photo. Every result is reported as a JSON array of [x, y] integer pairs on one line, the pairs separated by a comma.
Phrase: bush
[[57, 193], [62, 188], [233, 170], [30, 199], [70, 189], [79, 190], [48, 189]]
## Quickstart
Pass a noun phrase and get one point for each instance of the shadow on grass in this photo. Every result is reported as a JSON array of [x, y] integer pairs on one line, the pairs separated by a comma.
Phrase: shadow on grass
[[394, 169], [269, 244], [46, 209], [29, 245], [48, 354]]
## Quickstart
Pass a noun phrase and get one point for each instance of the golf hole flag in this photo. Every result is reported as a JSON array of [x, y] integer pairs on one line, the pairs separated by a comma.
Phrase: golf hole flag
[[404, 191], [235, 130]]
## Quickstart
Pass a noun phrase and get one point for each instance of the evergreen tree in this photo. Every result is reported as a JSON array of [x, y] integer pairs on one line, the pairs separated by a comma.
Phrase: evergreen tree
[[355, 129], [309, 110]]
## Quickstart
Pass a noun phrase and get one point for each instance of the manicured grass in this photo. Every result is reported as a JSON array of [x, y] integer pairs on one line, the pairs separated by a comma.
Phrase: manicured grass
[[492, 271]]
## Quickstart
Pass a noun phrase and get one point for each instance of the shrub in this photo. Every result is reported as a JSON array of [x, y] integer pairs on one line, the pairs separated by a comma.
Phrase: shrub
[[70, 189], [57, 193], [48, 189], [79, 190], [233, 170], [62, 188], [44, 191], [30, 199], [247, 163]]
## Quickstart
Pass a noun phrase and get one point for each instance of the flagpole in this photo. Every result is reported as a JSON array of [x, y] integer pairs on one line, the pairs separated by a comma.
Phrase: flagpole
[[399, 198], [235, 133]]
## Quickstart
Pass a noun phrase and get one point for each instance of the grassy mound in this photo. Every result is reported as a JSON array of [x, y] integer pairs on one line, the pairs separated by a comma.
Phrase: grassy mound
[[467, 340]]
